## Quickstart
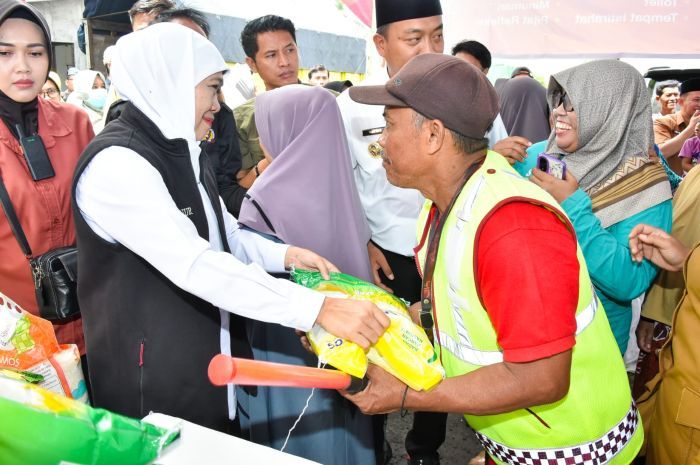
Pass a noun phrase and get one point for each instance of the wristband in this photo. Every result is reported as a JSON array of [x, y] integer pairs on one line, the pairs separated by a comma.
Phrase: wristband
[[257, 171], [403, 411]]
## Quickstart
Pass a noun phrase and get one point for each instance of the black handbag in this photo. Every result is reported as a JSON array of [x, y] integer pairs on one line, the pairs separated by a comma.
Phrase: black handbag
[[55, 272]]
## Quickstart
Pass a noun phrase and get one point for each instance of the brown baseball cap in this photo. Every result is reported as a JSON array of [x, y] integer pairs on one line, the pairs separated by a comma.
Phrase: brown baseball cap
[[440, 87]]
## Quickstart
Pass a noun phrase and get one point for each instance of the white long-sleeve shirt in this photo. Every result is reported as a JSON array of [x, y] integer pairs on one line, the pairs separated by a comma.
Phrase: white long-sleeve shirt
[[124, 200]]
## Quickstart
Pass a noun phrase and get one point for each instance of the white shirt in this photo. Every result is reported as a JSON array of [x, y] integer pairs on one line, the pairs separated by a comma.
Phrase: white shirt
[[392, 212], [124, 200], [498, 131]]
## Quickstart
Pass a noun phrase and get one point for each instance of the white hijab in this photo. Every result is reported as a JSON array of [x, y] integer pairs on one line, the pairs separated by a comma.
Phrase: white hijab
[[158, 68], [82, 86]]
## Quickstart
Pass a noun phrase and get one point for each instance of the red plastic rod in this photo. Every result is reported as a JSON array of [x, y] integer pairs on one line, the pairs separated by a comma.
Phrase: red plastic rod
[[224, 370]]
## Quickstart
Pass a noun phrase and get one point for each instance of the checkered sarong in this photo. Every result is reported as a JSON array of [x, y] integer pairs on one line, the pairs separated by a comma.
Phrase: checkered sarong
[[596, 452]]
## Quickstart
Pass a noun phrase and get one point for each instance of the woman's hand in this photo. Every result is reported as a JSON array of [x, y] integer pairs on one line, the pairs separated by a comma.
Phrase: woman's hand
[[560, 189], [514, 148], [304, 259], [645, 334], [657, 246]]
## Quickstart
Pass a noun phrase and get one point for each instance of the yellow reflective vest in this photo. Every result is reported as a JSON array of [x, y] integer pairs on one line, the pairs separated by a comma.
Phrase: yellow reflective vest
[[596, 422]]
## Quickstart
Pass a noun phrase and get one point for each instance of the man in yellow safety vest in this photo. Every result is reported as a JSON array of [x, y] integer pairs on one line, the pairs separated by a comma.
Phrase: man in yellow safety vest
[[528, 352]]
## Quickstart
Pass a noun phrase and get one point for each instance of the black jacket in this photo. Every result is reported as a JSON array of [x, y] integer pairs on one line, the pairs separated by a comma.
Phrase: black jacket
[[225, 158], [149, 342]]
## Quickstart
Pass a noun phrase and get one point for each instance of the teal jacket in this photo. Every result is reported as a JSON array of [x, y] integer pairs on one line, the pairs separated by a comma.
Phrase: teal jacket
[[617, 279]]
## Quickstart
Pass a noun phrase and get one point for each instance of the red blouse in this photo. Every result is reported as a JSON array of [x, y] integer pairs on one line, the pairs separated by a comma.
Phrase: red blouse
[[43, 207]]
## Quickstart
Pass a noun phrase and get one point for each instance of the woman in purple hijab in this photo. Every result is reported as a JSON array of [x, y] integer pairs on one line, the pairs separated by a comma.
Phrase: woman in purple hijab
[[307, 196]]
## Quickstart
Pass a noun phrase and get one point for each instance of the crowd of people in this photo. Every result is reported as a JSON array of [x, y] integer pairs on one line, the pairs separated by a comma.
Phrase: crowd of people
[[189, 214]]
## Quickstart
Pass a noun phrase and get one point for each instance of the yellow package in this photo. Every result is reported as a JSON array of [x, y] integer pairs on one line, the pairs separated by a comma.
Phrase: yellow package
[[404, 350]]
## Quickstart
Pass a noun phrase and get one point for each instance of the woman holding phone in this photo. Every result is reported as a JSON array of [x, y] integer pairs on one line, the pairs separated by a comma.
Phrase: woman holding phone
[[37, 173], [603, 133]]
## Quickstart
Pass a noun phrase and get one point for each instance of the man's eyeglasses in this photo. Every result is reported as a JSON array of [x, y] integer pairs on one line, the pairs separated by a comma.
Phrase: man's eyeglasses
[[48, 93], [563, 99]]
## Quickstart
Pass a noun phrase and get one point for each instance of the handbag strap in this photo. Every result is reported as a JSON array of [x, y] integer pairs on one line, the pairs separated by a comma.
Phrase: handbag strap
[[14, 221]]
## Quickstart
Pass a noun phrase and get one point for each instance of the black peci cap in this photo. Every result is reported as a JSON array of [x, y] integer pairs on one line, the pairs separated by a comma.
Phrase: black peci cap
[[391, 11], [690, 85]]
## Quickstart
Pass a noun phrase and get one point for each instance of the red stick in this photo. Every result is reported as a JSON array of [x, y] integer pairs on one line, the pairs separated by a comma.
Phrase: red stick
[[224, 369]]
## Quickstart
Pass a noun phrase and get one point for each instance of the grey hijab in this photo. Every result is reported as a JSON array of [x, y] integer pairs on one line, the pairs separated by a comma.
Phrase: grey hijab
[[614, 129], [524, 109]]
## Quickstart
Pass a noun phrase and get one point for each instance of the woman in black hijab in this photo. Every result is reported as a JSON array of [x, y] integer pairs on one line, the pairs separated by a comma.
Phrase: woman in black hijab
[[38, 181]]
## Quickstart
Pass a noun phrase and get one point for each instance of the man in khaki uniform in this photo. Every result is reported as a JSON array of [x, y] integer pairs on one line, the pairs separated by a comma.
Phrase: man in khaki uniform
[[269, 43], [671, 406]]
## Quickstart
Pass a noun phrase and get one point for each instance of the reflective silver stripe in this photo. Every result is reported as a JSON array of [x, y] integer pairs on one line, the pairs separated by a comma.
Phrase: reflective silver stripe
[[596, 452], [465, 351], [469, 354], [465, 213], [585, 317]]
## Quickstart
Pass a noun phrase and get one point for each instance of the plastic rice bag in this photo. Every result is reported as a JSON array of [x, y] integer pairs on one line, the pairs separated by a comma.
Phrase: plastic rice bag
[[28, 343], [404, 350], [40, 427]]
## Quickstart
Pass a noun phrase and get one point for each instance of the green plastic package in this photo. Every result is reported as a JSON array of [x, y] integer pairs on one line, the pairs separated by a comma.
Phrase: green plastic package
[[39, 427]]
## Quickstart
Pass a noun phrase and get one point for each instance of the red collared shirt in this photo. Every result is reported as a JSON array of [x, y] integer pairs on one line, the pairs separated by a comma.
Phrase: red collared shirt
[[43, 207]]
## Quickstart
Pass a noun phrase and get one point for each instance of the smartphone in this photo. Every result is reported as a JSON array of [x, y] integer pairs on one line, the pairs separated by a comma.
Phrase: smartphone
[[551, 165], [37, 158]]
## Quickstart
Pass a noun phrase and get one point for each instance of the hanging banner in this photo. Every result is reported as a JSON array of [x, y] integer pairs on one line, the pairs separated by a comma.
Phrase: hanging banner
[[362, 9], [568, 28]]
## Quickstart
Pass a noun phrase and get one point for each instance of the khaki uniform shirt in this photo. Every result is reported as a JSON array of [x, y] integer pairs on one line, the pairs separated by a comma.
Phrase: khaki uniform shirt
[[248, 137], [666, 128]]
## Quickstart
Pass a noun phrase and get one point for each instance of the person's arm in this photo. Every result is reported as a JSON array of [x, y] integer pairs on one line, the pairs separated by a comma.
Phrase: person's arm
[[655, 244], [514, 148], [670, 146], [607, 254], [246, 178], [686, 164], [490, 390], [534, 319], [124, 200]]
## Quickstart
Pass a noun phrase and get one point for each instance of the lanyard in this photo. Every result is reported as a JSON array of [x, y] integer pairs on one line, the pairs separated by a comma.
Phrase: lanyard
[[437, 222]]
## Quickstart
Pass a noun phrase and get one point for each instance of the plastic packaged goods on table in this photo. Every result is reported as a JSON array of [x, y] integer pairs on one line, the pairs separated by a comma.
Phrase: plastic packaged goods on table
[[40, 427], [28, 344]]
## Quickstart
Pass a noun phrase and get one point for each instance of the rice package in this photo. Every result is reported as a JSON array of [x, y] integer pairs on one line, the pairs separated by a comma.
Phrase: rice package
[[40, 427], [404, 350], [28, 343]]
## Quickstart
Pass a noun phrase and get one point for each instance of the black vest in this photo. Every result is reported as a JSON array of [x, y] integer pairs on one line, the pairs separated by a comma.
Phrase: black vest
[[149, 342]]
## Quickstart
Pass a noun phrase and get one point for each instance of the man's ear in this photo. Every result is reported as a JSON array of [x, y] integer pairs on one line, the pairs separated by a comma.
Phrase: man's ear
[[251, 64], [379, 44], [437, 134]]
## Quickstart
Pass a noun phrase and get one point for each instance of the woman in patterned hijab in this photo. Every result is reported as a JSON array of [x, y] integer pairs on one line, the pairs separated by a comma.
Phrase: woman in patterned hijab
[[603, 132]]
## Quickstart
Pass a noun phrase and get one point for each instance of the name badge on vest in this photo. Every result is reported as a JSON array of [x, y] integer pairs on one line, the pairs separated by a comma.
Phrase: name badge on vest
[[187, 211], [372, 131]]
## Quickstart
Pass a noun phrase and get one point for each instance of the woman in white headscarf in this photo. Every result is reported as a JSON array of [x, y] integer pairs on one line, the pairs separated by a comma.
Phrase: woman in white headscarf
[[161, 262], [90, 93]]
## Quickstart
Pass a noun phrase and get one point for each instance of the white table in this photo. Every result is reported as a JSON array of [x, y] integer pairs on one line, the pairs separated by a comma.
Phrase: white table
[[203, 446]]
